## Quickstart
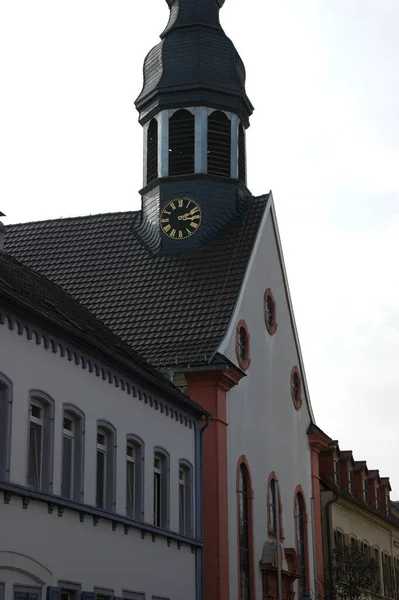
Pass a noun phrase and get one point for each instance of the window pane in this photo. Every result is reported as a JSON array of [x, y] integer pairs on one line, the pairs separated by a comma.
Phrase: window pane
[[100, 496], [35, 455], [36, 411], [182, 507], [157, 499], [67, 466], [130, 488]]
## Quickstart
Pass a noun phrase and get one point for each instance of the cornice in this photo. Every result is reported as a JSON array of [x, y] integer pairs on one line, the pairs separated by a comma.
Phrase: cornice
[[88, 362], [226, 377], [61, 504]]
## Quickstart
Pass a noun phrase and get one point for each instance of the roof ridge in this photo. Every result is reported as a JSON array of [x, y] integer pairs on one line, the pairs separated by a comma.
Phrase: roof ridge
[[74, 218]]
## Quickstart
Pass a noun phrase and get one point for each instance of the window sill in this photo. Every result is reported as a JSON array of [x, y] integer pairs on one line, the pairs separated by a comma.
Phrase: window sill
[[28, 494]]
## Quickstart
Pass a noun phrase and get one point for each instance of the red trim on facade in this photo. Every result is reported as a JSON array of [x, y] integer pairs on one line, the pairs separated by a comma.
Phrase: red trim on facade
[[271, 533], [299, 490], [209, 389], [297, 401], [271, 328], [317, 443], [243, 461], [246, 361]]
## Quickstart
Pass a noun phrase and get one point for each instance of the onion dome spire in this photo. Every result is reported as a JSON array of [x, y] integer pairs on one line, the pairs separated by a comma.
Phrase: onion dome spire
[[195, 64]]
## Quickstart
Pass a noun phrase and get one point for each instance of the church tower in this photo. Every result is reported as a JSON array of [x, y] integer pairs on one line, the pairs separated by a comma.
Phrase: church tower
[[194, 111]]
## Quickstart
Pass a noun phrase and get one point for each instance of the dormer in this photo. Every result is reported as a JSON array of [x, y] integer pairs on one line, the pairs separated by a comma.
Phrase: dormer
[[346, 466], [329, 463], [385, 489], [373, 489], [361, 473]]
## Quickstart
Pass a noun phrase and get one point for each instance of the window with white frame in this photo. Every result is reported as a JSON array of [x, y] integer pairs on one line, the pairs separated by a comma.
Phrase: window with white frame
[[72, 453], [105, 466], [185, 499], [350, 481], [40, 451], [68, 453], [161, 492], [102, 447], [364, 489], [5, 426], [131, 479]]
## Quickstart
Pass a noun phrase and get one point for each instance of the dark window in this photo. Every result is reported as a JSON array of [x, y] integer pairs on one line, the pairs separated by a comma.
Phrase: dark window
[[72, 456], [152, 151], [296, 387], [244, 549], [161, 482], [377, 497], [40, 451], [364, 489], [273, 507], [22, 592], [5, 427], [243, 343], [105, 468], [134, 479], [241, 155], [336, 471], [350, 481], [181, 143], [185, 499], [301, 542], [219, 144], [270, 311]]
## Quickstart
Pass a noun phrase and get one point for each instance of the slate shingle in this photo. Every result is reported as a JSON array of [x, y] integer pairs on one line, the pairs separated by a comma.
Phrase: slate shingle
[[172, 309]]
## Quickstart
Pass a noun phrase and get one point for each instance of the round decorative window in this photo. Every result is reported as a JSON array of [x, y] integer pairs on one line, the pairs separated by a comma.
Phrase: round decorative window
[[269, 305], [243, 345], [296, 388]]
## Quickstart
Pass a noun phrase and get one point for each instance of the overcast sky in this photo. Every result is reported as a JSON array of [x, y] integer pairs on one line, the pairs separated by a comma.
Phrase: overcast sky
[[323, 76]]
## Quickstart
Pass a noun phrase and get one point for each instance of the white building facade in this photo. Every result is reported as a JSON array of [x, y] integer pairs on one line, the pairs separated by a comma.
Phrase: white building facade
[[100, 465]]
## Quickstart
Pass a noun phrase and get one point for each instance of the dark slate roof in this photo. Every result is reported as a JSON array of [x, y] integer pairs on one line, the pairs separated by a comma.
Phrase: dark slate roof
[[194, 64], [31, 293], [172, 309]]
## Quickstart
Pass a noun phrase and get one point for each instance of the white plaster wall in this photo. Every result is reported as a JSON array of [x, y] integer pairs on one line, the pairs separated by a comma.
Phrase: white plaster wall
[[263, 423], [81, 552], [38, 548]]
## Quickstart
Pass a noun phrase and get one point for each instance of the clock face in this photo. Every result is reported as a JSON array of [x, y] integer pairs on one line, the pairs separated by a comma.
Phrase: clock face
[[180, 218]]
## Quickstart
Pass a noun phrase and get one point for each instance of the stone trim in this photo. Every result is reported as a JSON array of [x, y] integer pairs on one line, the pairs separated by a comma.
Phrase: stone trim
[[12, 489], [96, 367]]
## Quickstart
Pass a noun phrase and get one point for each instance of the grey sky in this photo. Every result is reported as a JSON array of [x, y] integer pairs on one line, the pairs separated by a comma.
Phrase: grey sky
[[323, 76]]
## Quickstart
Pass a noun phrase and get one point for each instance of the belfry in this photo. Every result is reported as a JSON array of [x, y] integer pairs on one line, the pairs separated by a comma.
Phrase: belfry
[[194, 111]]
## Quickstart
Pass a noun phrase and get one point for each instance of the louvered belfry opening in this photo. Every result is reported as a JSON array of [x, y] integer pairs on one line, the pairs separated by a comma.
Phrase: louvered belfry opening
[[181, 143], [152, 151], [219, 144], [242, 175]]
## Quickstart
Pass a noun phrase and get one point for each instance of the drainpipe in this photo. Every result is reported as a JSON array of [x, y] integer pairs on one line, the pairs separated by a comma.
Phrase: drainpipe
[[328, 522], [316, 584], [199, 508], [279, 584]]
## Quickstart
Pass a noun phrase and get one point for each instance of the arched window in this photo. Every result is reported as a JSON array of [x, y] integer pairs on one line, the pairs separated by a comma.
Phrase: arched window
[[152, 151], [246, 589], [40, 447], [72, 453], [5, 426], [106, 466], [242, 175], [301, 542], [161, 488], [185, 498], [219, 144], [274, 507], [181, 143], [134, 478]]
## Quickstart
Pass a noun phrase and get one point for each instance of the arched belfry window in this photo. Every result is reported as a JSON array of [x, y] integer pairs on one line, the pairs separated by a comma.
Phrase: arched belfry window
[[242, 175], [152, 151], [219, 144], [181, 143]]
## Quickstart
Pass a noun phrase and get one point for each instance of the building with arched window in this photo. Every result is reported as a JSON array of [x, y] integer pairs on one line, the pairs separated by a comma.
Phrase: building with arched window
[[194, 282], [93, 443]]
